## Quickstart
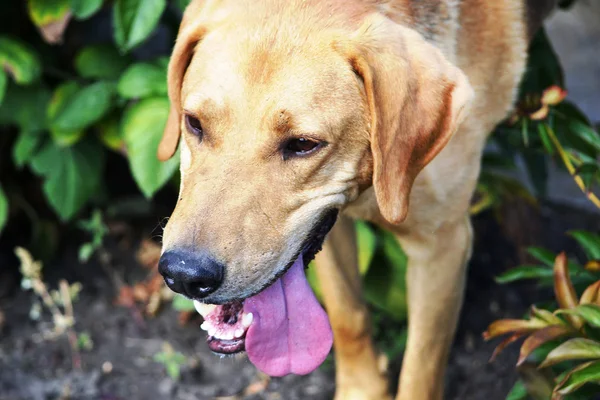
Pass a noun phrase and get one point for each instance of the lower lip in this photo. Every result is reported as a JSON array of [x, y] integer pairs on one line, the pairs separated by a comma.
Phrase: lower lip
[[226, 346]]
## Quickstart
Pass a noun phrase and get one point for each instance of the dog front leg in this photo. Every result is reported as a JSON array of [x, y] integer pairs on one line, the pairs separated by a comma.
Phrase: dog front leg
[[359, 374], [435, 282]]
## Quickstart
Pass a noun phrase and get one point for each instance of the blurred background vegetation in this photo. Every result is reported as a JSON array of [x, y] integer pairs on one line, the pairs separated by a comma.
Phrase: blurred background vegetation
[[83, 102]]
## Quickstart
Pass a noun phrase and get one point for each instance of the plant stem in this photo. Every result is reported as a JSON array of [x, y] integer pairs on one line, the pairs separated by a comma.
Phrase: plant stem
[[570, 167]]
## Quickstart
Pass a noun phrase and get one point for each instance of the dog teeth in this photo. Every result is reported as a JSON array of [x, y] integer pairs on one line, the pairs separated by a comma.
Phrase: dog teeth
[[203, 309], [212, 331], [238, 333], [205, 326], [247, 320]]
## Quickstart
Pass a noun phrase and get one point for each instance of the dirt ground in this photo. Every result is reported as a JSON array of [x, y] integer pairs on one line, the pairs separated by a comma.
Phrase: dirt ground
[[120, 365]]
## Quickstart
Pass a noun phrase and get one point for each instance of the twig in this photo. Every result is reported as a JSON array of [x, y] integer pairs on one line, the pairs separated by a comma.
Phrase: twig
[[569, 165], [71, 334]]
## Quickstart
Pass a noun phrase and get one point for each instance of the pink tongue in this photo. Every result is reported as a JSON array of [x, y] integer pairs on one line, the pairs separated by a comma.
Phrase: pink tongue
[[290, 333]]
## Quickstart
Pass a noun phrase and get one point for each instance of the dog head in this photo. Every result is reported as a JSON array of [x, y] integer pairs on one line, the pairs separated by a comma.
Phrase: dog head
[[281, 121]]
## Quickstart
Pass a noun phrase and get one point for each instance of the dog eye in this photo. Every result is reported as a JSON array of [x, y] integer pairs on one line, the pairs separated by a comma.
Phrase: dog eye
[[299, 147], [193, 125]]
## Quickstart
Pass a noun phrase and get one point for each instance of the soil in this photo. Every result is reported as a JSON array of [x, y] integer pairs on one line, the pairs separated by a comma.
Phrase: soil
[[120, 365]]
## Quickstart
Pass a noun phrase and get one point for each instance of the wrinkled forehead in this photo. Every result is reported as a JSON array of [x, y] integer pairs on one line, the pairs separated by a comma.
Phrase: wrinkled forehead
[[250, 74]]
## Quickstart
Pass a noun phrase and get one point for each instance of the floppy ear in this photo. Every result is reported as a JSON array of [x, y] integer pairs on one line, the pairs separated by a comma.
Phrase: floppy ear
[[190, 32], [416, 99]]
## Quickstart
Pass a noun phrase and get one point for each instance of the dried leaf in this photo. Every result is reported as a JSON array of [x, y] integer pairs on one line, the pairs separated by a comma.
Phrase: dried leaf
[[185, 316], [590, 295], [540, 114], [504, 344], [125, 297], [53, 32], [140, 292], [29, 268], [593, 265], [563, 288], [258, 386], [504, 326], [148, 254], [540, 337], [153, 304], [553, 95], [546, 315], [155, 283]]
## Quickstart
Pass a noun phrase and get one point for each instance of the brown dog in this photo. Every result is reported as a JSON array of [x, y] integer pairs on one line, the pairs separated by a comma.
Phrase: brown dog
[[292, 110]]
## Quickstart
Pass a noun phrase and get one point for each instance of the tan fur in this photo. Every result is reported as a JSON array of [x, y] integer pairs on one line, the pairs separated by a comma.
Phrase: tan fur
[[404, 93]]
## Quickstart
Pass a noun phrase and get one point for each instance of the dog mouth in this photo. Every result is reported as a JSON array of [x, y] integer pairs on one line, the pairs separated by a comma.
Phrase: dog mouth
[[283, 328], [226, 326]]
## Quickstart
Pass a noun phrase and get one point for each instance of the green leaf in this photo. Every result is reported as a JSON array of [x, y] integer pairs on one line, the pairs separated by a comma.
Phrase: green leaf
[[537, 169], [3, 83], [86, 251], [497, 160], [26, 145], [72, 175], [134, 20], [313, 280], [525, 272], [545, 138], [589, 312], [44, 12], [62, 95], [19, 60], [79, 109], [83, 9], [3, 209], [143, 80], [366, 241], [385, 282], [588, 171], [543, 67], [518, 392], [100, 62], [182, 4], [25, 106], [143, 126], [579, 376], [589, 242], [109, 133], [573, 349], [162, 62], [586, 133], [181, 303], [173, 370], [543, 255]]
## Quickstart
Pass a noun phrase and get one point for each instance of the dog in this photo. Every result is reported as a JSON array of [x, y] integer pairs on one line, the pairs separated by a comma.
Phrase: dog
[[294, 117]]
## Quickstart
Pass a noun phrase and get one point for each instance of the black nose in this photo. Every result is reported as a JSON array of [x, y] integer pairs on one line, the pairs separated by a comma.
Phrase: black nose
[[193, 274]]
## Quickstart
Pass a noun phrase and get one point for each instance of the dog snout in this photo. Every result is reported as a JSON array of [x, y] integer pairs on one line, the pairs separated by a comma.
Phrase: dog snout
[[193, 274]]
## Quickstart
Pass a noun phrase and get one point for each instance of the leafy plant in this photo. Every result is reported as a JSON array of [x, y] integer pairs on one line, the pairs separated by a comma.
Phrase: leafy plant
[[544, 128], [564, 342], [58, 302], [172, 361], [69, 115], [94, 226]]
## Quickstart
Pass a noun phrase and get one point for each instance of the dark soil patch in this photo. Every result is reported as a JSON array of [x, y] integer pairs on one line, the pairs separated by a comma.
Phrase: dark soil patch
[[32, 370]]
